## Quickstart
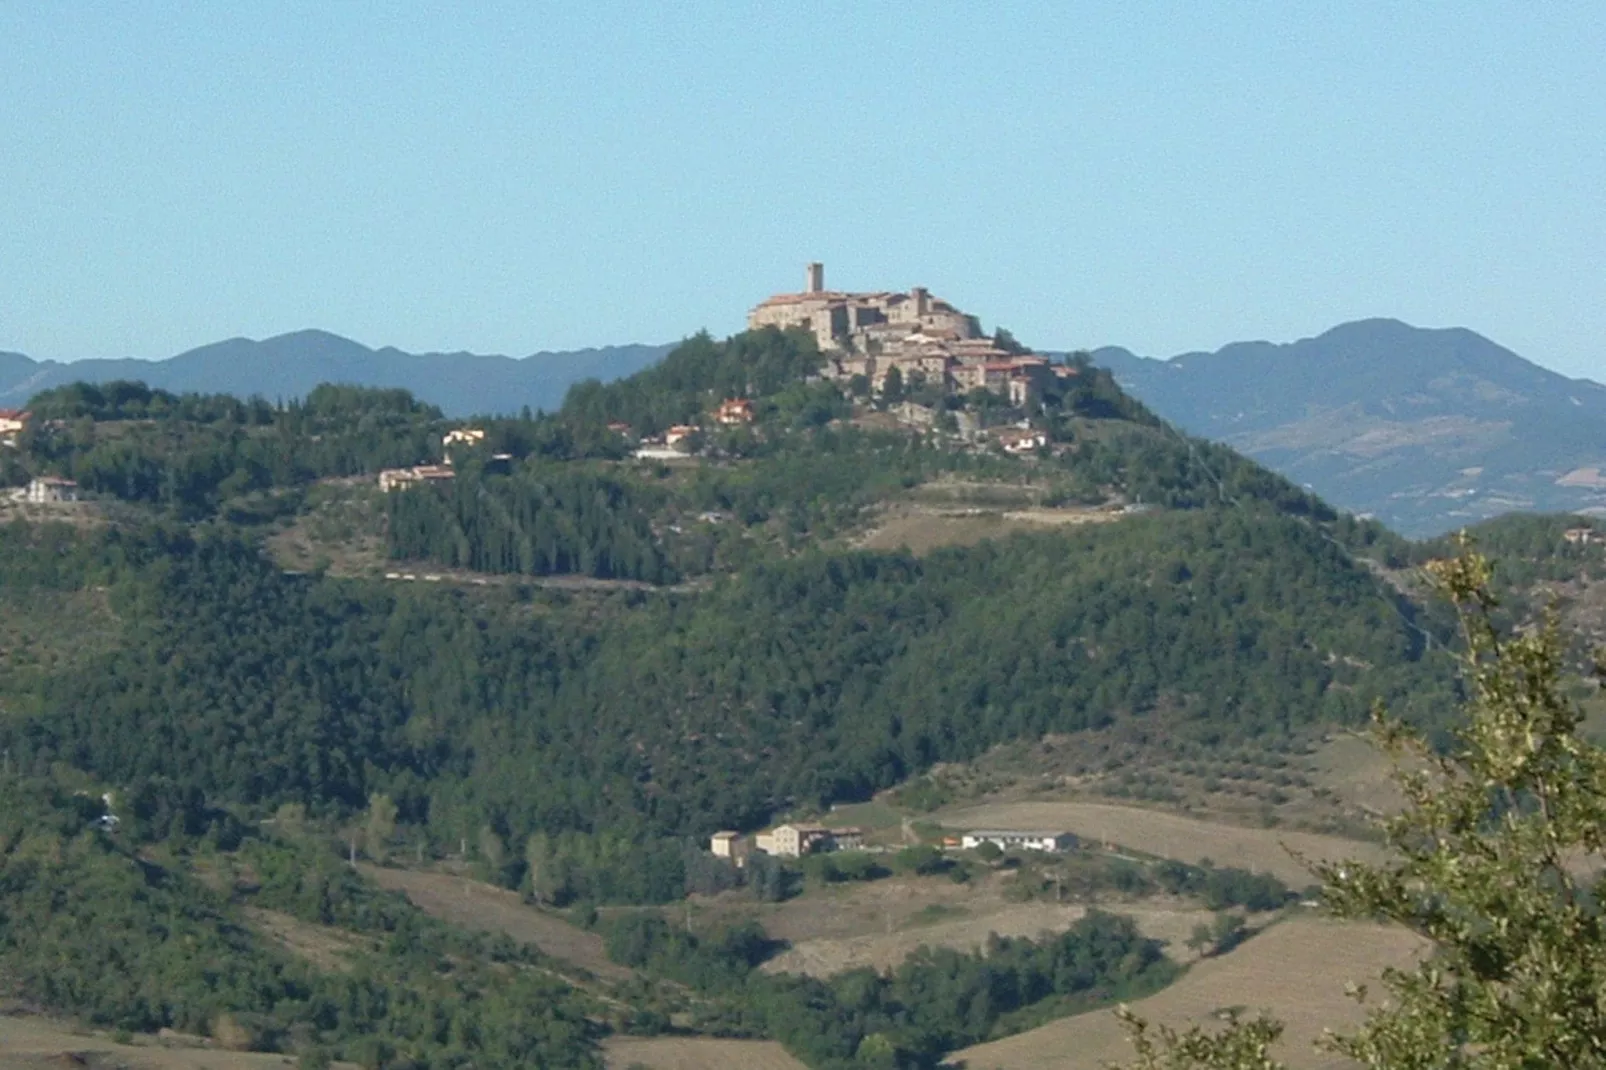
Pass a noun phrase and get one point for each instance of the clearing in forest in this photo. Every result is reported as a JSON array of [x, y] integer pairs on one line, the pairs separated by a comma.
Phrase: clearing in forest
[[925, 528], [696, 1053], [326, 948], [1167, 835], [1296, 970], [471, 904]]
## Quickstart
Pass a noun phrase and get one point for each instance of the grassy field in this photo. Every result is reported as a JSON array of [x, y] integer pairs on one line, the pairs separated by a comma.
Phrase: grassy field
[[696, 1053], [925, 528], [28, 1043], [473, 905], [1168, 835], [1296, 970], [968, 928], [1358, 774]]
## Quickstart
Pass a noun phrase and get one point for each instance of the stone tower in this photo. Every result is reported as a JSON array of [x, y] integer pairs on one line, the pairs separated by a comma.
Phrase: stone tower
[[816, 278]]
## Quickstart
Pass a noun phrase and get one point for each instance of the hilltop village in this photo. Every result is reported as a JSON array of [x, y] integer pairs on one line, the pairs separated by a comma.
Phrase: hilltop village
[[926, 363], [915, 337]]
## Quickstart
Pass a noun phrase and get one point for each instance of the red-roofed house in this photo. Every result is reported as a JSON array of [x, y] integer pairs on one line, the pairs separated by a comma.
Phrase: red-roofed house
[[734, 411], [678, 434]]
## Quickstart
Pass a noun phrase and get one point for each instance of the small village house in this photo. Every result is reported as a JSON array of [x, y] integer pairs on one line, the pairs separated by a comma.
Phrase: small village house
[[678, 434], [1009, 840], [391, 479], [12, 422], [46, 490], [1581, 536], [730, 844], [733, 412], [463, 436], [1018, 442]]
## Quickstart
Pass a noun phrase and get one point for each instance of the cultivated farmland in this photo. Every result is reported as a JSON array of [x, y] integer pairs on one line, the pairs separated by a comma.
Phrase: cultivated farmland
[[474, 905], [1169, 835], [1296, 970]]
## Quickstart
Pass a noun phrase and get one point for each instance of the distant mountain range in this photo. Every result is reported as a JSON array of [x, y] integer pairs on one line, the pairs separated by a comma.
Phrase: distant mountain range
[[1427, 430], [290, 365]]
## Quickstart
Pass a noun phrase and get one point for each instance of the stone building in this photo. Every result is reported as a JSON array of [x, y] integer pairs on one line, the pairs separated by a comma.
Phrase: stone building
[[860, 322], [925, 338]]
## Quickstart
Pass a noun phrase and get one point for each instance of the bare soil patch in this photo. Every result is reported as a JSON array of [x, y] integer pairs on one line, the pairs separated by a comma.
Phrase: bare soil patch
[[1296, 971], [696, 1053], [1170, 835], [481, 907]]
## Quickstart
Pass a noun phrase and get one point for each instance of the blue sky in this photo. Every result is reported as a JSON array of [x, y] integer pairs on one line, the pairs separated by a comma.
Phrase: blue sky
[[541, 176]]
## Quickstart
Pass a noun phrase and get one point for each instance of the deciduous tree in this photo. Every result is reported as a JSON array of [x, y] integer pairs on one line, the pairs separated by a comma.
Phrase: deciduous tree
[[1485, 863]]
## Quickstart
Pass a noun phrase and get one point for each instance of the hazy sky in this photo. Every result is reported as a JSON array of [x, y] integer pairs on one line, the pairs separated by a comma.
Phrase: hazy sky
[[1160, 176]]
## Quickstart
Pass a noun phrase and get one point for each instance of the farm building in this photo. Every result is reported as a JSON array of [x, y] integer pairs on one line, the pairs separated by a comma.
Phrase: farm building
[[728, 844], [1019, 841], [794, 841]]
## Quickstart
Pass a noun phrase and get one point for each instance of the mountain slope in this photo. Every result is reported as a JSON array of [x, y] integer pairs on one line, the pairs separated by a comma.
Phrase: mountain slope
[[290, 365], [1426, 429]]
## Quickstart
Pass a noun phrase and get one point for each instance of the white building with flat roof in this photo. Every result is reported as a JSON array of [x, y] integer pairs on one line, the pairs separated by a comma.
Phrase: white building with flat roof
[[1010, 840]]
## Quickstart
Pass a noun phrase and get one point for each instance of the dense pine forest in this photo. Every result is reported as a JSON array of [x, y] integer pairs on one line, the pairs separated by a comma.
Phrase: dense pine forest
[[243, 716]]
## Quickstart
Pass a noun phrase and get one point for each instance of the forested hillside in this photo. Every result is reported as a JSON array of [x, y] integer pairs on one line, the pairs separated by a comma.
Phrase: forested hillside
[[577, 743]]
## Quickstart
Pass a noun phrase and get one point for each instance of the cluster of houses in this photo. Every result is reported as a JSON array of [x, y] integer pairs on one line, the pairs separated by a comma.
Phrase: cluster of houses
[[920, 337], [393, 479], [785, 841], [43, 490], [797, 840], [674, 442]]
